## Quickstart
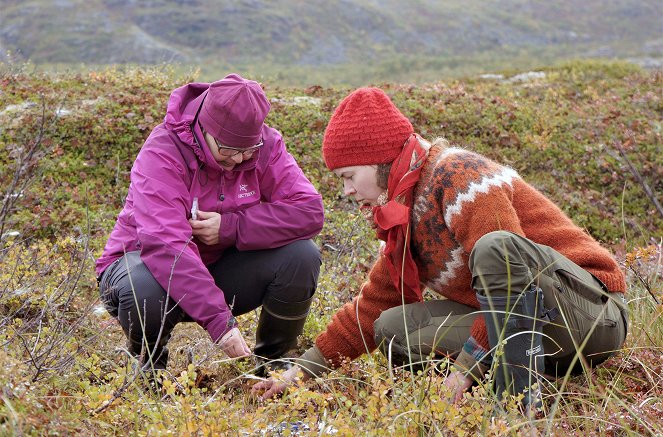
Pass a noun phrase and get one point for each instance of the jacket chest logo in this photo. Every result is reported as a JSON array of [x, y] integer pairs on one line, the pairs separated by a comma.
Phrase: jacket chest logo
[[244, 191]]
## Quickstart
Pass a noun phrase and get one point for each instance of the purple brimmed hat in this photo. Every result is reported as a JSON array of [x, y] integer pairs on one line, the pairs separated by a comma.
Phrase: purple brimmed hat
[[234, 111]]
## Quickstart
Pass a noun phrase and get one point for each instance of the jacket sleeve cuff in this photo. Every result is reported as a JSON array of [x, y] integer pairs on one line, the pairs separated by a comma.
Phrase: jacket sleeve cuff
[[473, 360], [220, 326], [228, 230], [313, 362]]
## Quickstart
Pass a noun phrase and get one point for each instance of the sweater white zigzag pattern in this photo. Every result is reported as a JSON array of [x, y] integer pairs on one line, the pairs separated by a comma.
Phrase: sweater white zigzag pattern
[[505, 176]]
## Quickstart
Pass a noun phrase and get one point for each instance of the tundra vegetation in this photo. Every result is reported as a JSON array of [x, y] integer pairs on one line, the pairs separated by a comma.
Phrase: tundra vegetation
[[587, 134]]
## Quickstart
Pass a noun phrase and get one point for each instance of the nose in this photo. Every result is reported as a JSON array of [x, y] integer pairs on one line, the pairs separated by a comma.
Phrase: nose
[[238, 158], [348, 188]]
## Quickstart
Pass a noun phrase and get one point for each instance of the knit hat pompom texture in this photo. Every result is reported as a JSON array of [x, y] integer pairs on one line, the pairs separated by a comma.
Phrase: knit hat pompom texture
[[234, 111], [365, 129]]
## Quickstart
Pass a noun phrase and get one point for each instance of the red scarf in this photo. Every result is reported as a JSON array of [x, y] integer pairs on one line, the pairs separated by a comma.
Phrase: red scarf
[[393, 219]]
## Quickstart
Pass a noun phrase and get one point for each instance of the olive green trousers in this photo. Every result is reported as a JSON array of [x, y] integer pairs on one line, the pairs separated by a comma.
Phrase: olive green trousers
[[586, 323]]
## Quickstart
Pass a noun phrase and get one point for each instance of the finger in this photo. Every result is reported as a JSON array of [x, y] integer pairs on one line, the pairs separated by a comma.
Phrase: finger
[[273, 391], [201, 229], [233, 351], [228, 347], [262, 385], [205, 214], [198, 233], [245, 347], [459, 395], [204, 231], [237, 348], [196, 224]]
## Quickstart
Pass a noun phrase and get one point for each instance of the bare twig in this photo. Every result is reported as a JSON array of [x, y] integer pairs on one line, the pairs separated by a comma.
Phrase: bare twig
[[636, 174], [24, 171]]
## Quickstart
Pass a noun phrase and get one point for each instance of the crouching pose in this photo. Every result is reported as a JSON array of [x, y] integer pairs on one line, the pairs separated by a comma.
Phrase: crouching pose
[[524, 286], [218, 221]]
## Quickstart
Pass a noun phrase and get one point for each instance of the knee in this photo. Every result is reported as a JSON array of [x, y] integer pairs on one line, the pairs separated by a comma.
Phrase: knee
[[297, 271], [500, 262], [303, 261], [307, 254], [389, 328], [491, 245], [491, 248]]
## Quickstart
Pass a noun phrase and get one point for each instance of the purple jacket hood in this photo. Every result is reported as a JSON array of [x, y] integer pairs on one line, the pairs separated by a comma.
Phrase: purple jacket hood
[[264, 202]]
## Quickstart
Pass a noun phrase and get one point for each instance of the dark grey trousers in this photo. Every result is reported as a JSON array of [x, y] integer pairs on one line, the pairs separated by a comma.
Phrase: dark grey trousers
[[286, 274], [587, 320]]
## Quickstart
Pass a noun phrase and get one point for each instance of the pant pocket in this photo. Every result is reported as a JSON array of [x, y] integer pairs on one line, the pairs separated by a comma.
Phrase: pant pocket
[[584, 284], [582, 302]]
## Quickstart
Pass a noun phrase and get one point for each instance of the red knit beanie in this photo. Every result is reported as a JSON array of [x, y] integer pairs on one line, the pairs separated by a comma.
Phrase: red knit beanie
[[365, 129]]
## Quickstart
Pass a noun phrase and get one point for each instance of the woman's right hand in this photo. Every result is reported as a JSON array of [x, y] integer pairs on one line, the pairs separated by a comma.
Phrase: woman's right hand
[[233, 344]]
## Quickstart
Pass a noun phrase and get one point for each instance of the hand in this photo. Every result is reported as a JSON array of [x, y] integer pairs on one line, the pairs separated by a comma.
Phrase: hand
[[233, 344], [274, 386], [458, 383], [207, 227]]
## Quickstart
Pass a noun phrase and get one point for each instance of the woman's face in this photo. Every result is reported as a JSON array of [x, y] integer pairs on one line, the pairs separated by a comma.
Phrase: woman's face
[[361, 182], [227, 159]]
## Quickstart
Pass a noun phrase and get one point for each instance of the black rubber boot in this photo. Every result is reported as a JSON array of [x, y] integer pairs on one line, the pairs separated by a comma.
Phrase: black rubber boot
[[155, 359], [149, 377], [514, 327], [278, 328]]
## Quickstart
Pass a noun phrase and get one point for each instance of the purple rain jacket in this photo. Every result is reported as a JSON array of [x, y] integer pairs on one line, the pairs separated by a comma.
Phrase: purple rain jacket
[[264, 202]]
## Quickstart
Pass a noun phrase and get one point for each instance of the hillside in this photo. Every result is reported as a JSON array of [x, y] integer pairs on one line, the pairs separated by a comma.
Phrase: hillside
[[288, 34], [577, 132]]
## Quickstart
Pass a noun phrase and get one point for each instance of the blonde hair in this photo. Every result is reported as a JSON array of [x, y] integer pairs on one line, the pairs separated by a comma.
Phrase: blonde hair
[[383, 175], [441, 142]]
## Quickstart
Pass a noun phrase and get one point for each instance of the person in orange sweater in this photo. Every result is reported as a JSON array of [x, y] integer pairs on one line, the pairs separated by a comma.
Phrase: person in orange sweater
[[526, 290]]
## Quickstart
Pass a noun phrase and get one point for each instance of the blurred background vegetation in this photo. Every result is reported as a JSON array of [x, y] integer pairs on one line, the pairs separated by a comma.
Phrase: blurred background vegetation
[[330, 42]]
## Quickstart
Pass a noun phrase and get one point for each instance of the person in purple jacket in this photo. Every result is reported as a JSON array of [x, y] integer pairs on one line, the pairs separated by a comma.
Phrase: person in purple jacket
[[217, 222]]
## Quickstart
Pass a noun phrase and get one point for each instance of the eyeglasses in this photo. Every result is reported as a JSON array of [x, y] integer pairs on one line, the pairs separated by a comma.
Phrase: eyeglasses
[[231, 152]]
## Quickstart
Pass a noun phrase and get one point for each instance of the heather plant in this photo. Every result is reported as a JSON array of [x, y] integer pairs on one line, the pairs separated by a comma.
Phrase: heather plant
[[577, 132]]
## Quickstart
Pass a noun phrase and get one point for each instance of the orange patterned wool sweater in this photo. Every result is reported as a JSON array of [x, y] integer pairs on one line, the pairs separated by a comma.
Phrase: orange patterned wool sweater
[[460, 197]]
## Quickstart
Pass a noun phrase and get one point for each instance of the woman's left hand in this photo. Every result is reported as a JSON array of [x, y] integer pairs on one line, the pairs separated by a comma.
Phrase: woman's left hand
[[277, 385], [458, 383], [207, 227]]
